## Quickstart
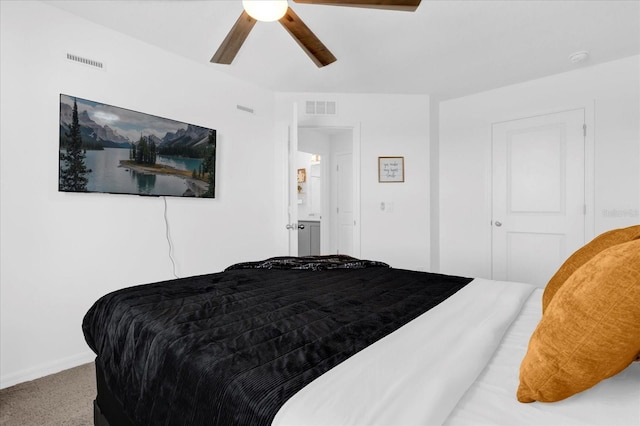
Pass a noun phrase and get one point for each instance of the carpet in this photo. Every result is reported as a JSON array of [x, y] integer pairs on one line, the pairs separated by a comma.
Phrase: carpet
[[61, 399]]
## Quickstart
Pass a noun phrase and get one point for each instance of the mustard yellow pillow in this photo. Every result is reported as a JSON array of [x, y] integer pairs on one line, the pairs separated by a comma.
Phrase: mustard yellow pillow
[[584, 254], [590, 330]]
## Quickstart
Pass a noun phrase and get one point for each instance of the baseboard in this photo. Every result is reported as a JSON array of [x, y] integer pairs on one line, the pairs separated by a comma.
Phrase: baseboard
[[45, 369]]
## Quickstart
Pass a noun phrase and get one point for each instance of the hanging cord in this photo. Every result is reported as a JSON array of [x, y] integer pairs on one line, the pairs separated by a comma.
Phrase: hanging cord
[[168, 235]]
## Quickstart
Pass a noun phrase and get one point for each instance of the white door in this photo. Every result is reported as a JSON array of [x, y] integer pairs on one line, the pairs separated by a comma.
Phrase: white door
[[538, 195], [344, 204]]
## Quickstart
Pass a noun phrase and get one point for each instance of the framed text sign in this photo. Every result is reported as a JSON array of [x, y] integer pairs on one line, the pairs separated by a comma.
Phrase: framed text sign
[[390, 169]]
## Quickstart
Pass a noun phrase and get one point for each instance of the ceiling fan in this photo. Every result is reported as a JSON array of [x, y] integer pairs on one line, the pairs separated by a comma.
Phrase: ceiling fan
[[280, 11]]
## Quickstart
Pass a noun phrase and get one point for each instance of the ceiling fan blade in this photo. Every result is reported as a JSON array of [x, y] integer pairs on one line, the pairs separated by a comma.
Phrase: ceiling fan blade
[[317, 51], [233, 41], [404, 5]]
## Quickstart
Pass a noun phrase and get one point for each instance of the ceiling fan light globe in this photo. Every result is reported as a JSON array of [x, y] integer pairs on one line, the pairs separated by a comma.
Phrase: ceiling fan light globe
[[265, 10]]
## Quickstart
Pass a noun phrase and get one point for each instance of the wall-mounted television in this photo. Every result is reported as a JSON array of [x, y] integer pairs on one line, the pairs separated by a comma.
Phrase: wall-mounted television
[[108, 149]]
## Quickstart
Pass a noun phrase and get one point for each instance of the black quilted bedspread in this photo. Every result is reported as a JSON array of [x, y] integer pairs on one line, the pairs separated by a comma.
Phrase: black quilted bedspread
[[232, 347]]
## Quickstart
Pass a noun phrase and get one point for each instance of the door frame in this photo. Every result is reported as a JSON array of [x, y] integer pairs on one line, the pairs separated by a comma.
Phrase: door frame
[[589, 170], [355, 150]]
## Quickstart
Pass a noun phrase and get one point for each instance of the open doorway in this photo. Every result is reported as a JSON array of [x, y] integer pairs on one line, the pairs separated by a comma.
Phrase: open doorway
[[327, 189]]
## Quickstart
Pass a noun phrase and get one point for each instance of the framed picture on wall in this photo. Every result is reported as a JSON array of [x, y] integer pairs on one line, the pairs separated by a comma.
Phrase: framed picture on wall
[[302, 175], [390, 169]]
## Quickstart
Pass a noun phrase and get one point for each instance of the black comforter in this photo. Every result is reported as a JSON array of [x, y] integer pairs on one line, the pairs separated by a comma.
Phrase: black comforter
[[232, 347]]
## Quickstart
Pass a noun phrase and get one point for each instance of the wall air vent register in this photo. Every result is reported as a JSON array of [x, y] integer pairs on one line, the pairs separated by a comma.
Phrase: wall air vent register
[[321, 108]]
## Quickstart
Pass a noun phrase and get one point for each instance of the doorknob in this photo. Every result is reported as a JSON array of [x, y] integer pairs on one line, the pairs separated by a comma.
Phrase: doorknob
[[290, 226], [300, 226], [498, 224]]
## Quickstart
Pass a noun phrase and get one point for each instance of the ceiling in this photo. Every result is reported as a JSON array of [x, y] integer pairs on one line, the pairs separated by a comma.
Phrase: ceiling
[[447, 48]]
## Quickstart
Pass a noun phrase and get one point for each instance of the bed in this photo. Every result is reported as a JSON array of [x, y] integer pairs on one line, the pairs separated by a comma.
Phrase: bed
[[329, 340]]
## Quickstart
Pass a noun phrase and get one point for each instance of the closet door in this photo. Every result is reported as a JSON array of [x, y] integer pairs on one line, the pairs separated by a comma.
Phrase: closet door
[[538, 180]]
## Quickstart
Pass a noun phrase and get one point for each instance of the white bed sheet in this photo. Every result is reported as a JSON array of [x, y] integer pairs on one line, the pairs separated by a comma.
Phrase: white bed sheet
[[457, 364], [417, 374], [491, 399]]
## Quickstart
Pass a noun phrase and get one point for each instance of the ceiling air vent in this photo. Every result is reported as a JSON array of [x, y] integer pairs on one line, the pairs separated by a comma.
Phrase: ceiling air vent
[[321, 108], [85, 61]]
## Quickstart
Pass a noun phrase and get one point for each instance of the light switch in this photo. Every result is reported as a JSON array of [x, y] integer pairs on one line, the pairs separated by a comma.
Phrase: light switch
[[386, 206]]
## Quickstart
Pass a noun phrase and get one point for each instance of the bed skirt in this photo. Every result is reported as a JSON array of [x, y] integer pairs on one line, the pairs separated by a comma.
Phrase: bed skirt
[[107, 409]]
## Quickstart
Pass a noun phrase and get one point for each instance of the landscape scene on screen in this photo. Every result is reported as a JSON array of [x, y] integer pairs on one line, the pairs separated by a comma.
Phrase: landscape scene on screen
[[108, 149]]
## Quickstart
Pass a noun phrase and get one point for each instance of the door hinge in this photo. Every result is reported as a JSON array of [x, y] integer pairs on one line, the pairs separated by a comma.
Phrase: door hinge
[[584, 130], [584, 209]]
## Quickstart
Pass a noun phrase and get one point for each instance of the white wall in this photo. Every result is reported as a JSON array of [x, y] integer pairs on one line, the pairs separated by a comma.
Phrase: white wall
[[610, 95], [389, 125], [61, 251]]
